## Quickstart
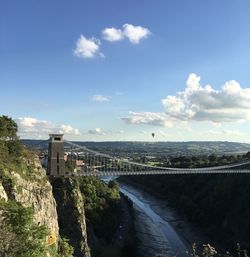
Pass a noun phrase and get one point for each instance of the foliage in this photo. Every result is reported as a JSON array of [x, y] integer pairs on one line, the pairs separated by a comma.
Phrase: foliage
[[10, 145], [65, 249], [70, 206], [19, 235], [13, 157], [101, 203], [208, 250], [218, 204], [8, 127], [200, 161]]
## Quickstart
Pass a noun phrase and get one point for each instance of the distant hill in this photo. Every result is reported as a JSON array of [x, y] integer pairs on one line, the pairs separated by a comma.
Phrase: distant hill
[[166, 148]]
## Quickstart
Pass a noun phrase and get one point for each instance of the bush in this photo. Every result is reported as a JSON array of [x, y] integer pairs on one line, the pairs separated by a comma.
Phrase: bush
[[19, 235]]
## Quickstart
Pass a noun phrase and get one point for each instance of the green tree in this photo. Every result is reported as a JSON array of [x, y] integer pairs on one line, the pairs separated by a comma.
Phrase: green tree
[[65, 248], [10, 145], [212, 158], [8, 128], [19, 235]]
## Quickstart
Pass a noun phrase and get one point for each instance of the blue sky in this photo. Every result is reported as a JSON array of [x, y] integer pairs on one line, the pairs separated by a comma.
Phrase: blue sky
[[120, 70]]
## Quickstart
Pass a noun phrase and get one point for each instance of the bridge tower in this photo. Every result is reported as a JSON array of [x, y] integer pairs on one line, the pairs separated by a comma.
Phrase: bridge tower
[[56, 163]]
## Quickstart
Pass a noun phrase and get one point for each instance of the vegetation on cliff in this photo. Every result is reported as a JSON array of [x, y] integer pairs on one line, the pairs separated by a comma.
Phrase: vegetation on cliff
[[102, 206], [105, 212], [24, 184], [71, 214], [19, 235], [14, 157]]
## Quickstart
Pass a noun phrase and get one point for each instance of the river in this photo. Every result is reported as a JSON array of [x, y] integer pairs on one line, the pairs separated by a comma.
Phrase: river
[[161, 231], [155, 227]]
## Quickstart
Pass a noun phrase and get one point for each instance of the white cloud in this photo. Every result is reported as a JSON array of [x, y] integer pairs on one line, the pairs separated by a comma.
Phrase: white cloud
[[199, 103], [134, 33], [193, 81], [87, 47], [96, 131], [203, 103], [151, 118], [100, 98], [68, 129], [29, 127], [112, 34]]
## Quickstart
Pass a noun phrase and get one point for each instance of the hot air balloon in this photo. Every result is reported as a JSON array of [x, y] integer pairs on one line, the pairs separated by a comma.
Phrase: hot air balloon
[[153, 135]]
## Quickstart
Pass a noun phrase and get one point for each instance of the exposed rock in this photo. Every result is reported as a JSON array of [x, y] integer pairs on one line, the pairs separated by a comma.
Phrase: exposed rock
[[38, 195], [3, 194], [70, 208], [33, 191], [30, 186]]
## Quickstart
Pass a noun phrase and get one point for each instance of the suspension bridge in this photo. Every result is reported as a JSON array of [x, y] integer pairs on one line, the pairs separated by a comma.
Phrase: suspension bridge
[[101, 164]]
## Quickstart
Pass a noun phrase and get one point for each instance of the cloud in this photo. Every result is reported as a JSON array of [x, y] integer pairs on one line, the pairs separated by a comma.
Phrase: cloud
[[149, 118], [112, 34], [68, 129], [87, 47], [231, 103], [133, 33], [96, 131], [29, 127], [100, 98], [203, 103]]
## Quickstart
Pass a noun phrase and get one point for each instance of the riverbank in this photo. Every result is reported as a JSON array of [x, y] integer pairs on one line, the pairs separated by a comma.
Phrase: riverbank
[[150, 235]]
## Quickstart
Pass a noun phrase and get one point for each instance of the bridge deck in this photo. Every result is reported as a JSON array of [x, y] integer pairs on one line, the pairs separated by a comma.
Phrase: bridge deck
[[157, 172]]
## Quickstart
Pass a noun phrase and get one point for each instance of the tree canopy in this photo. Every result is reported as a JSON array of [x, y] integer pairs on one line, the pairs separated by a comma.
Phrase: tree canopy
[[8, 128], [10, 145], [19, 235]]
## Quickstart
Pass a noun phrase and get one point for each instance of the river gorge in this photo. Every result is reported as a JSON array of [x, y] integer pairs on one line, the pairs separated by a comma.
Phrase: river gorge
[[160, 229]]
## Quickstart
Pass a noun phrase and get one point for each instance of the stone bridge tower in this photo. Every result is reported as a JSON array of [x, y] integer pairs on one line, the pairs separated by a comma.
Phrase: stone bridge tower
[[56, 163]]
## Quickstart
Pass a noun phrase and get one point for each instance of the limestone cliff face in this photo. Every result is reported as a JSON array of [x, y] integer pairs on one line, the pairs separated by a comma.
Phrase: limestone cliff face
[[71, 214], [58, 203], [3, 194], [34, 191]]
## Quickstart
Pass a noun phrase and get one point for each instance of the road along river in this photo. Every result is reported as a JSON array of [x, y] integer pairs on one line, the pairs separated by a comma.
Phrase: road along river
[[156, 225]]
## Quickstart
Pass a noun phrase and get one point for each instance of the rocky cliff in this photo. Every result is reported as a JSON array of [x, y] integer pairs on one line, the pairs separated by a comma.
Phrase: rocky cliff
[[71, 213], [33, 190], [27, 183]]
